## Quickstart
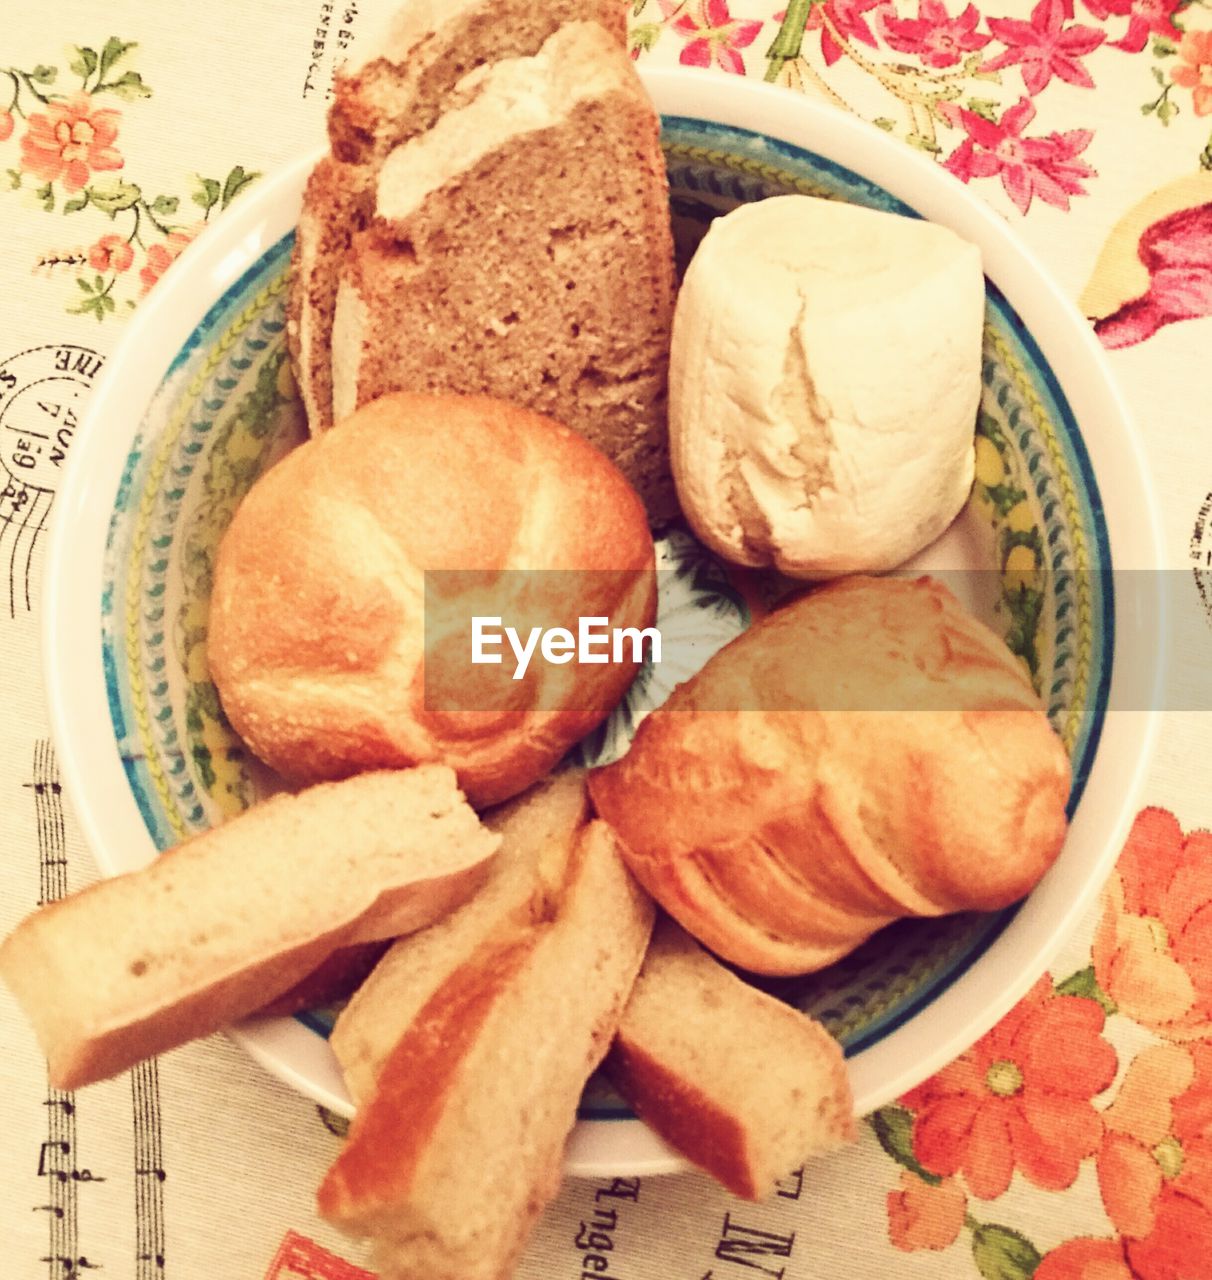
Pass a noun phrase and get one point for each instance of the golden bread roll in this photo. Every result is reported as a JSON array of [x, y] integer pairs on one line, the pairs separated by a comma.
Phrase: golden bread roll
[[868, 752], [320, 644]]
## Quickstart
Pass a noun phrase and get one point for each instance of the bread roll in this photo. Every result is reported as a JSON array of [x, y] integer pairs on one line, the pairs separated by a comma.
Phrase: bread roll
[[868, 752], [318, 632], [214, 928], [741, 1084]]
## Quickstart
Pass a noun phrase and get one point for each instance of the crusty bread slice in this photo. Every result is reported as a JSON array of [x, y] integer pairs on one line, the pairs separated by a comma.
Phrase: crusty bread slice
[[538, 831], [211, 930], [398, 91], [740, 1083], [522, 248], [459, 1148]]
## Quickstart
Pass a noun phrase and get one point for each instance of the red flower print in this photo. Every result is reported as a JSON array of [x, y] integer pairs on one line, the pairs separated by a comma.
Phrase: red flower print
[[935, 37], [1045, 47], [847, 18], [1155, 1166], [1019, 1098], [111, 253], [1085, 1259], [161, 256], [1153, 946], [1046, 167], [1145, 18], [922, 1215], [6, 125], [1194, 69], [713, 35], [70, 141]]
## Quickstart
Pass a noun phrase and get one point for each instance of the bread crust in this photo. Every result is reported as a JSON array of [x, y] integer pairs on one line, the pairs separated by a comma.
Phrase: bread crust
[[317, 639], [867, 752]]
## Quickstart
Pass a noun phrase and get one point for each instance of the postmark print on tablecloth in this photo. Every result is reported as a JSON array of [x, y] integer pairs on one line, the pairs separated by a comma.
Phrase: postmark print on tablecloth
[[42, 396]]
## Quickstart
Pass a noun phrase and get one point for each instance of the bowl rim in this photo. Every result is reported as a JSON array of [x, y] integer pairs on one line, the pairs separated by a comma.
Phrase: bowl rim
[[956, 1017]]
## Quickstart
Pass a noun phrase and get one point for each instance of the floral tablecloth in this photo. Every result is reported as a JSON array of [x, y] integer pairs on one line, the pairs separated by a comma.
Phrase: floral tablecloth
[[1074, 1141]]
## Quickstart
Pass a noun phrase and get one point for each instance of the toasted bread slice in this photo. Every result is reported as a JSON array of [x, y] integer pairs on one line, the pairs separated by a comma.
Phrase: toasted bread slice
[[538, 831], [741, 1084], [213, 929], [459, 1148]]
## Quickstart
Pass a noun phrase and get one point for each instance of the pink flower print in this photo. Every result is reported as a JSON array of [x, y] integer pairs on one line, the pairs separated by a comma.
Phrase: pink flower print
[[847, 18], [6, 125], [1194, 70], [935, 37], [1045, 47], [1046, 167], [162, 256], [111, 253], [71, 141], [713, 35], [1177, 250], [1145, 18]]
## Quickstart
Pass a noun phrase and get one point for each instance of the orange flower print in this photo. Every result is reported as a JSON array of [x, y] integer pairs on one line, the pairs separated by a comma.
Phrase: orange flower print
[[1153, 946], [1020, 1098], [1085, 1259], [161, 256], [1155, 1166], [70, 141], [922, 1215], [6, 125], [1194, 69], [111, 253]]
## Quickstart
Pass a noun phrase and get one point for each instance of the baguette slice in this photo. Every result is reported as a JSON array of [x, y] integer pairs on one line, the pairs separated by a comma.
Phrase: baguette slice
[[211, 930], [394, 94], [740, 1083], [459, 1148], [538, 832]]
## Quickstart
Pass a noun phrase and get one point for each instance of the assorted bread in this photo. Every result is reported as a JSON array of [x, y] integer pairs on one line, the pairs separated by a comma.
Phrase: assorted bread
[[208, 932], [740, 1083], [345, 585], [867, 752], [460, 1145], [479, 323]]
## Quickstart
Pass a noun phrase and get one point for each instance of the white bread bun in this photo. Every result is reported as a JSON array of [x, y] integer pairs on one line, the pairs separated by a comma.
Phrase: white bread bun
[[867, 752], [211, 930], [460, 1147], [823, 385], [538, 831], [741, 1084], [318, 642]]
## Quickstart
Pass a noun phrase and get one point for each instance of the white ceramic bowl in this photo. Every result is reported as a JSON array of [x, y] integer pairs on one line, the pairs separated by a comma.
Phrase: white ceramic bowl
[[776, 141]]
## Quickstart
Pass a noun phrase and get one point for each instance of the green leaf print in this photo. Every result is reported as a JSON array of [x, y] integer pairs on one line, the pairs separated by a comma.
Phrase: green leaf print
[[1002, 1253], [893, 1127], [1084, 983]]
